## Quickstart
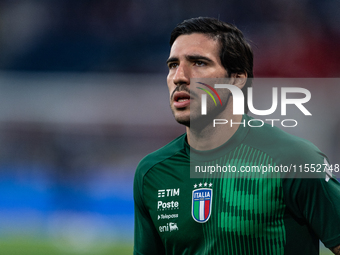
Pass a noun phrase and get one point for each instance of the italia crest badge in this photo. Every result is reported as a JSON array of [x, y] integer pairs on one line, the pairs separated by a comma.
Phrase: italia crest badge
[[201, 203]]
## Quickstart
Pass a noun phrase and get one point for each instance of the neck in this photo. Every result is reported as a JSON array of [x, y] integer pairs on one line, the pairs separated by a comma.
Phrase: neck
[[209, 137]]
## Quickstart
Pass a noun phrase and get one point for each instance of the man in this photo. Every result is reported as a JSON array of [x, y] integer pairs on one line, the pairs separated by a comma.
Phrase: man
[[176, 214]]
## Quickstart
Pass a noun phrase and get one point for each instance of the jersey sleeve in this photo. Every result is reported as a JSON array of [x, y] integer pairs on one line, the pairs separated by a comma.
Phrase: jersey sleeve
[[146, 238], [316, 200]]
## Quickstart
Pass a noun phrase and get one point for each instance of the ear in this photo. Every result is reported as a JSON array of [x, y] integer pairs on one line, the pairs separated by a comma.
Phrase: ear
[[239, 79]]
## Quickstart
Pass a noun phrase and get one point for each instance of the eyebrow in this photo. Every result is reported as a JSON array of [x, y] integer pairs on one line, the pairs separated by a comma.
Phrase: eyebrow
[[173, 59], [190, 58]]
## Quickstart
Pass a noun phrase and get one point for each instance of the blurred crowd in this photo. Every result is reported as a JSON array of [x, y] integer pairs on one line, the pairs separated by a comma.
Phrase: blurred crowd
[[290, 38]]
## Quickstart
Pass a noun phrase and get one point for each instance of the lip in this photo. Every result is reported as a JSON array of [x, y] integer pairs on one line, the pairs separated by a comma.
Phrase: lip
[[181, 95]]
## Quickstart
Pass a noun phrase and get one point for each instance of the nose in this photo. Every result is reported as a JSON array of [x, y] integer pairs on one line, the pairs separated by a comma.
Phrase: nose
[[182, 76]]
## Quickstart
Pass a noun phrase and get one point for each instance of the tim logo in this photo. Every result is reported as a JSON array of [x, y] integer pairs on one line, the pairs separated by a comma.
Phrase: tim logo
[[204, 97], [168, 192]]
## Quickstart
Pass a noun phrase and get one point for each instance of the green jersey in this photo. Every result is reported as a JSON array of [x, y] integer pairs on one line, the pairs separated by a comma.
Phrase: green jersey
[[176, 214]]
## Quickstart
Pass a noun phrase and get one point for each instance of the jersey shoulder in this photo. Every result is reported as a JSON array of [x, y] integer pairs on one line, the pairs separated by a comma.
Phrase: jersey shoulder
[[283, 146], [160, 155]]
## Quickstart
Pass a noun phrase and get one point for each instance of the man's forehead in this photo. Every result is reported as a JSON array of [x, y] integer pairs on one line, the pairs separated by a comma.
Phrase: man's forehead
[[197, 43], [195, 38]]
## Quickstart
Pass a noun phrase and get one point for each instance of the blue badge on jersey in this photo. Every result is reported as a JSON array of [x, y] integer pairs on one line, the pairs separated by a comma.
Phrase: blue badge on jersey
[[201, 204]]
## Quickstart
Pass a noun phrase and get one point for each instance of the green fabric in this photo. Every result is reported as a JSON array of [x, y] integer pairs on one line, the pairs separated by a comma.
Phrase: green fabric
[[255, 214]]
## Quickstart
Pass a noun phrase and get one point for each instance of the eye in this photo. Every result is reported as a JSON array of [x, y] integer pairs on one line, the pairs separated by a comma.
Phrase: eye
[[199, 63], [172, 65]]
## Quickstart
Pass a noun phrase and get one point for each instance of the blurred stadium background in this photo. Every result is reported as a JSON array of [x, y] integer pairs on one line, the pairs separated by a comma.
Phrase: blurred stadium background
[[83, 98]]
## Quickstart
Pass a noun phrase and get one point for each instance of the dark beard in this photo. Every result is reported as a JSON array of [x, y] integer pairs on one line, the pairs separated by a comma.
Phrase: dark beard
[[202, 121], [181, 121], [199, 122], [184, 122]]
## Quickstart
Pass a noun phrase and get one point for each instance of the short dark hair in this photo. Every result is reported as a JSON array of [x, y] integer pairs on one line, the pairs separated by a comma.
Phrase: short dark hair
[[236, 54]]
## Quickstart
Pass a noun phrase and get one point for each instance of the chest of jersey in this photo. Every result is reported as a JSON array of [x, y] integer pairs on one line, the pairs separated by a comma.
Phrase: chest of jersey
[[215, 213]]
